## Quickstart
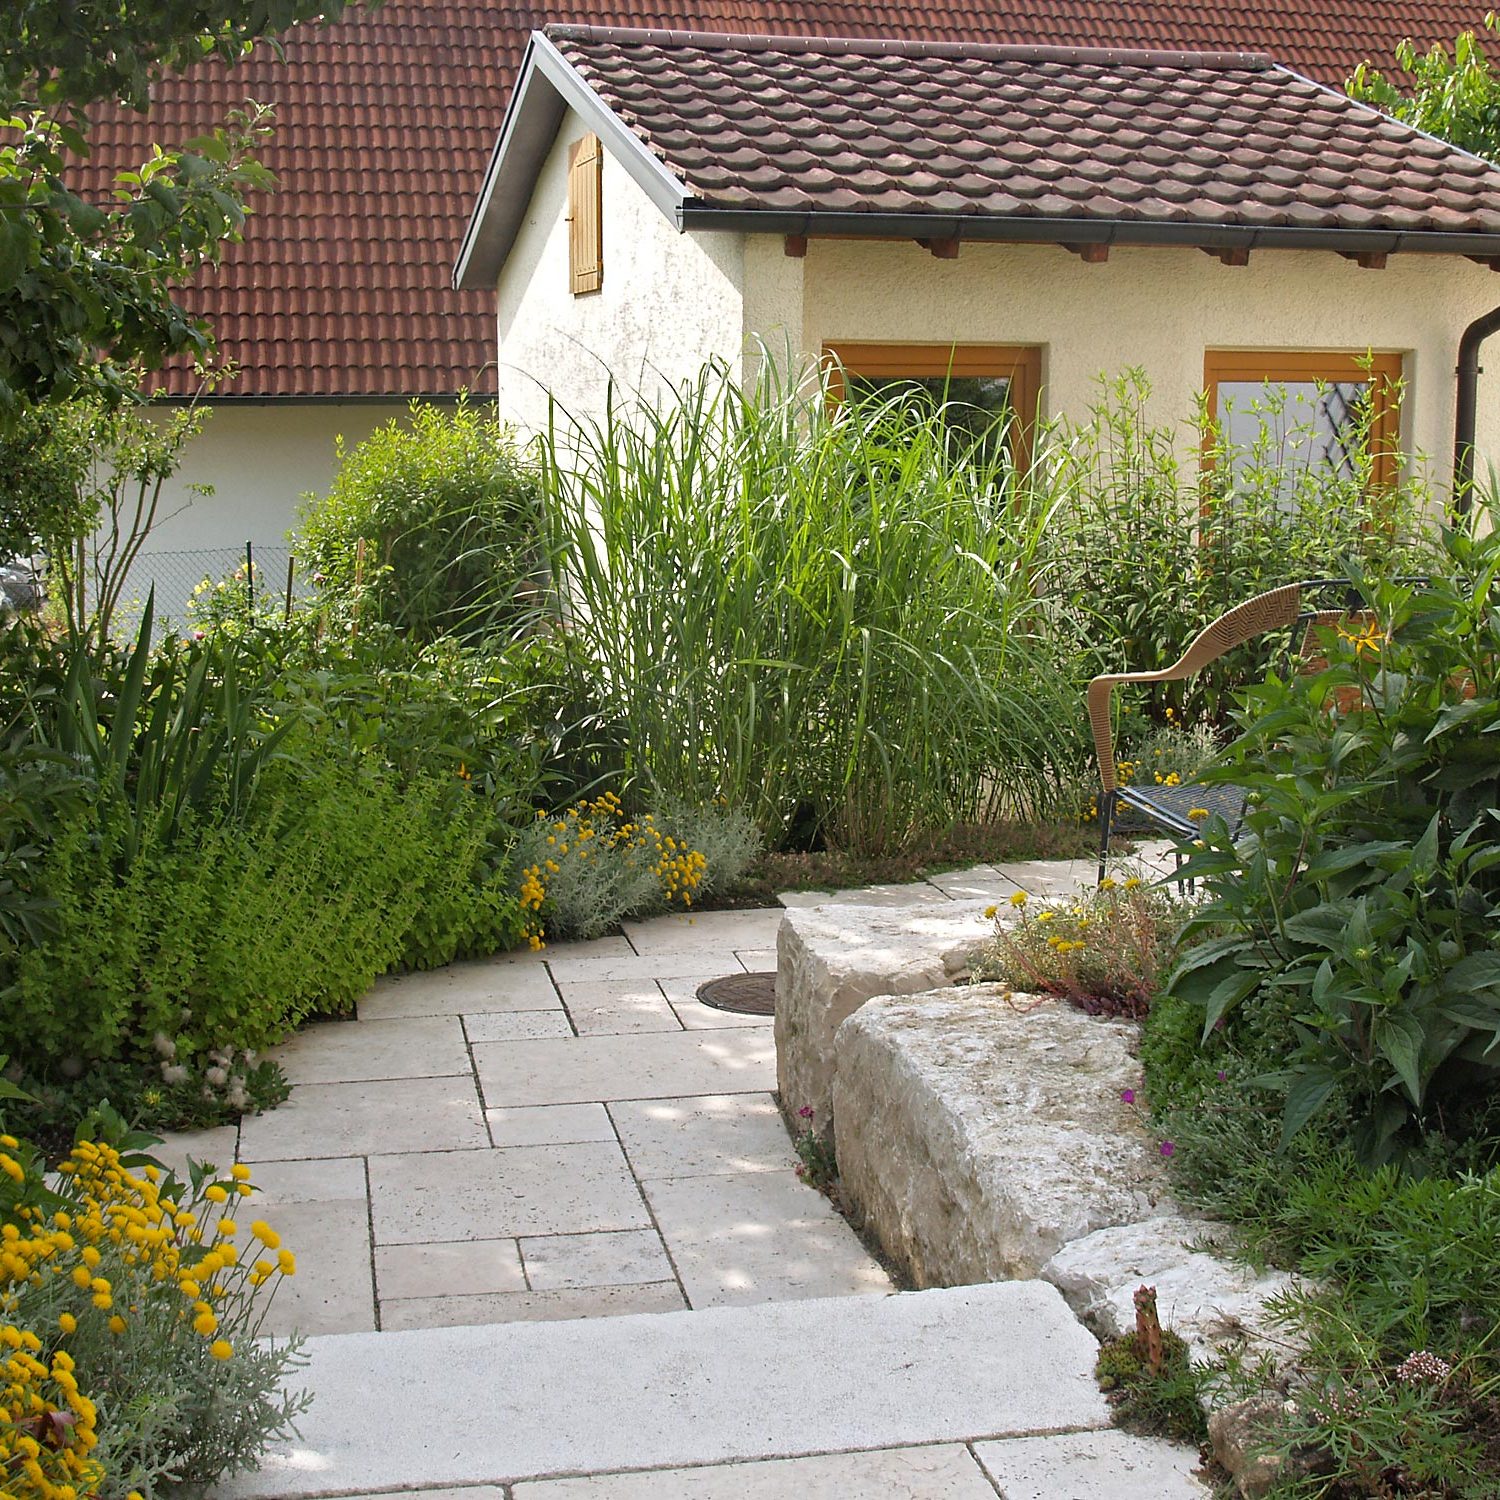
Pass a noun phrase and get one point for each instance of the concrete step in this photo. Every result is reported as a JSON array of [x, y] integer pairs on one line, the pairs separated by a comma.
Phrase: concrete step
[[446, 1407]]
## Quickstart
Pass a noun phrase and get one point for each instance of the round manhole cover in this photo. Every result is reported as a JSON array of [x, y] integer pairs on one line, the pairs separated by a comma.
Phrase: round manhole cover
[[745, 994]]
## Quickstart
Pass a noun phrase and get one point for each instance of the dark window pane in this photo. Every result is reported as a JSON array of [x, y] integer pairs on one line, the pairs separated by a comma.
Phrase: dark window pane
[[971, 405]]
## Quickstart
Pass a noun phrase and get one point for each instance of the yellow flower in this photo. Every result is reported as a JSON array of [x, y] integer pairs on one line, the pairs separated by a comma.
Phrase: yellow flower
[[1045, 916], [206, 1324], [1019, 899], [287, 1263], [990, 911], [221, 1349], [67, 1322], [1197, 814], [228, 1228], [117, 1324], [1134, 883], [265, 1234], [216, 1194], [1108, 883], [12, 1168], [240, 1172]]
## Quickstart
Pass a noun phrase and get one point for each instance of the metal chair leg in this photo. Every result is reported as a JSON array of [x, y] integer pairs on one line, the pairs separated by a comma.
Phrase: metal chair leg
[[1106, 823]]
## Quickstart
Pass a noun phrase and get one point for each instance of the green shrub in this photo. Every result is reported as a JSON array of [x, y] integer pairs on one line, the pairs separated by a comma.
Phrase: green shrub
[[225, 936], [432, 526], [1358, 907], [820, 613]]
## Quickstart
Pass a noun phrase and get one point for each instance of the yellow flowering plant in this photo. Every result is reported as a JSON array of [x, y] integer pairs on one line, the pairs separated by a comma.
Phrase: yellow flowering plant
[[588, 866], [130, 1315], [1107, 952]]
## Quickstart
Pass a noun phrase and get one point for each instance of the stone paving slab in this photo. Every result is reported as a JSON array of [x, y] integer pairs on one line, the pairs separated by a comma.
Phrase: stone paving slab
[[362, 1119], [549, 1124], [943, 1472], [562, 1305], [1109, 1465], [217, 1145], [434, 1197], [650, 1065], [914, 893], [626, 1257], [616, 1007], [457, 1268], [703, 1136], [539, 1400], [759, 1237], [569, 967], [461, 989], [357, 1051], [515, 1026], [706, 932]]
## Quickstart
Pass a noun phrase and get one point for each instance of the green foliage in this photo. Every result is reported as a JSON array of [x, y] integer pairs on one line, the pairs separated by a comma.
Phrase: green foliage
[[1140, 553], [817, 1165], [1360, 904], [432, 526], [37, 788], [44, 465], [736, 580], [1160, 1404], [224, 934], [1454, 95]]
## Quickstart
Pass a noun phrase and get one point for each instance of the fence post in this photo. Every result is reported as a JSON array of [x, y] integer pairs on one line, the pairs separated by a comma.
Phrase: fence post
[[249, 583], [291, 569]]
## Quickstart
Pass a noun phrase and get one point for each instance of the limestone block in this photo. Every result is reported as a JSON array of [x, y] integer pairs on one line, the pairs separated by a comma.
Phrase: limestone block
[[1239, 1435], [1209, 1301], [831, 959], [979, 1132]]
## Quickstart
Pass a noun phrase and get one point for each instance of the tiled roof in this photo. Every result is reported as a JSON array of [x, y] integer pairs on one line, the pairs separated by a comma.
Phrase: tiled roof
[[815, 126], [386, 121]]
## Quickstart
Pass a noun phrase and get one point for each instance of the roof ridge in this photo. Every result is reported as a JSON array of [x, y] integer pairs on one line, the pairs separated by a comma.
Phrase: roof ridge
[[899, 47]]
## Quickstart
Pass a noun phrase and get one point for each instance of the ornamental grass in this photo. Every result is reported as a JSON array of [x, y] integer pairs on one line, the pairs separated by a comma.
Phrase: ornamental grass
[[131, 1306]]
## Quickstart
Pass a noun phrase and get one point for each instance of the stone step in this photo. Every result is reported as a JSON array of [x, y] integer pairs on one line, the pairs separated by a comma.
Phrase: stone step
[[447, 1407]]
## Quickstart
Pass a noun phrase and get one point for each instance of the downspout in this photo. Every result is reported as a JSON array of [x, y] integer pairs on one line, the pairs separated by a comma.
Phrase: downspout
[[1468, 404]]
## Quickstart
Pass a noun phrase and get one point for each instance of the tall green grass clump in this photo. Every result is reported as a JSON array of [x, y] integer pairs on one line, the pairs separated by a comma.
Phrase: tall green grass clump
[[817, 611]]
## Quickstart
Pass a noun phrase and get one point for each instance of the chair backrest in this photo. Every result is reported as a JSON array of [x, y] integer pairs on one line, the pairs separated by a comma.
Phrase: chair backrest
[[1273, 610]]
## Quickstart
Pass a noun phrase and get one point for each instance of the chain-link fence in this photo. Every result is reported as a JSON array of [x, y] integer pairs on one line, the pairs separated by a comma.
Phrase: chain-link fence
[[210, 581]]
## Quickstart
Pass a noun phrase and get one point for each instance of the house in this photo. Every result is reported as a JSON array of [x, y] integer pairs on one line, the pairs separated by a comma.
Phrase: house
[[1030, 216], [337, 308]]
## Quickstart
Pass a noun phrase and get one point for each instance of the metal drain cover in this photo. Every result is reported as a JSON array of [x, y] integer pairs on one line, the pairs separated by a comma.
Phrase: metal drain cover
[[744, 994]]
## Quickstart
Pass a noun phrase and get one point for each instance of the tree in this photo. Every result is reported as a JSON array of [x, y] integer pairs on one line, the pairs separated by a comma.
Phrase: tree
[[86, 289], [1455, 96]]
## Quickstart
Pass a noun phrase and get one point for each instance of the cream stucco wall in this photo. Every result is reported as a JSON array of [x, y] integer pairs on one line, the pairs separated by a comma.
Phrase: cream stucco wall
[[669, 302], [1160, 309], [259, 460]]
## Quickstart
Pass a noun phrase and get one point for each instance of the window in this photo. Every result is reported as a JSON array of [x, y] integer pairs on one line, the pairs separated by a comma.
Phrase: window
[[1300, 411], [978, 382], [585, 222]]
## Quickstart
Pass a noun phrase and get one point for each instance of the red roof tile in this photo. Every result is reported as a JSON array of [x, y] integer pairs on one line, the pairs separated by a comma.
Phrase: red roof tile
[[386, 121], [816, 126]]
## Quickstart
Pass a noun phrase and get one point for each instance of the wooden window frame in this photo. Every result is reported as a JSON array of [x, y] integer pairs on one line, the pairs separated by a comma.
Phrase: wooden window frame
[[1020, 364], [1382, 371], [585, 216]]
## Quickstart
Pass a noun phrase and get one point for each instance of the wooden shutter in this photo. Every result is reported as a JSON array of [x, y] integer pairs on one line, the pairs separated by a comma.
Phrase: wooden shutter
[[585, 224]]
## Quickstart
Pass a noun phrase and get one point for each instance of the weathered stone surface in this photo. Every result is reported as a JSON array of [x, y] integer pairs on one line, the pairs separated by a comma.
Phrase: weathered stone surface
[[978, 1132], [831, 959], [1211, 1302], [1238, 1435]]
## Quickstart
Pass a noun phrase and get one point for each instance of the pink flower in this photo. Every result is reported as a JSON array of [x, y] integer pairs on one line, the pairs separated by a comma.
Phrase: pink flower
[[1167, 1148], [806, 1112], [1128, 1095], [1222, 1075]]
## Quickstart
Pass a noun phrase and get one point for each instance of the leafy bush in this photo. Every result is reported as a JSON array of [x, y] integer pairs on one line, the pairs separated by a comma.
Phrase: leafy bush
[[131, 1318], [818, 612], [226, 935], [431, 526], [1359, 906]]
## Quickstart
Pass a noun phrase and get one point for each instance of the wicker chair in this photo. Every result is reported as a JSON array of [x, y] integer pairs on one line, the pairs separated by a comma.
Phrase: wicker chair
[[1168, 806]]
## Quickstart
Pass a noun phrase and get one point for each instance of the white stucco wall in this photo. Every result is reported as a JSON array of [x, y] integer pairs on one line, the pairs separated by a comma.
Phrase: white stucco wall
[[260, 460], [669, 302], [1161, 309]]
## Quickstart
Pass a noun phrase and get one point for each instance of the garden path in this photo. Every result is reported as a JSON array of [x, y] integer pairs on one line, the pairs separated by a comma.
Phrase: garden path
[[570, 1136]]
